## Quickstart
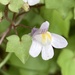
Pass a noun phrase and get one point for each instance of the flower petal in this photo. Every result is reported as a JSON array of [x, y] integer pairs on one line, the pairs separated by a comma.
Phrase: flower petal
[[35, 49], [33, 2], [34, 30], [58, 41], [47, 52], [38, 38], [44, 27]]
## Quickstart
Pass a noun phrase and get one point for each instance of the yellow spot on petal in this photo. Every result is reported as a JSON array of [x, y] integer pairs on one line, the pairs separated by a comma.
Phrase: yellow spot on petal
[[43, 37], [49, 36], [46, 36]]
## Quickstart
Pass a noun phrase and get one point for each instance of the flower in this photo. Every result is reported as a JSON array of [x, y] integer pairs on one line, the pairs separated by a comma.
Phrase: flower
[[32, 2], [43, 42]]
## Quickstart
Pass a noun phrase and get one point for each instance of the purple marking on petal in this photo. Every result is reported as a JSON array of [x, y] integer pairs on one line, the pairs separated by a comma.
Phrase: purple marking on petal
[[33, 31], [37, 32], [44, 27]]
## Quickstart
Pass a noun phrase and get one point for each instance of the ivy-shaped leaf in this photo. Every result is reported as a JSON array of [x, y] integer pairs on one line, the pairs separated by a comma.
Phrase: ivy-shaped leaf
[[15, 5], [19, 46]]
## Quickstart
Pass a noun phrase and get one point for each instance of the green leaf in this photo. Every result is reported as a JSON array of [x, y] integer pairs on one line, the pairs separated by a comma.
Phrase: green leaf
[[42, 1], [4, 2], [1, 10], [66, 61], [37, 63], [19, 46], [34, 66], [71, 43], [3, 25], [1, 14], [33, 18], [64, 56], [58, 23], [63, 6], [58, 4], [15, 5], [31, 72], [74, 12], [13, 71]]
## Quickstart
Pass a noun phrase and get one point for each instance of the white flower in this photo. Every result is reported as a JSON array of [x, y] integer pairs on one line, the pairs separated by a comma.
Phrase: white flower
[[32, 2], [43, 42]]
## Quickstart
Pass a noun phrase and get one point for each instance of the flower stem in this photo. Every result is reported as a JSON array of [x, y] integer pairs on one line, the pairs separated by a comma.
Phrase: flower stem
[[5, 60]]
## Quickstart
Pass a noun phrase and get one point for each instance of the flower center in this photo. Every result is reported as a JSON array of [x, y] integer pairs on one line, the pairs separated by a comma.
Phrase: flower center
[[46, 37]]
